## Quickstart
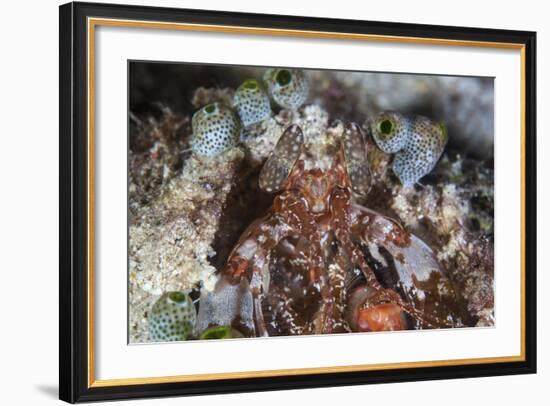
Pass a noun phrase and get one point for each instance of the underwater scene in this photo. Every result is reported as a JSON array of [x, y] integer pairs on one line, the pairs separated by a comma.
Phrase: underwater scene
[[275, 201]]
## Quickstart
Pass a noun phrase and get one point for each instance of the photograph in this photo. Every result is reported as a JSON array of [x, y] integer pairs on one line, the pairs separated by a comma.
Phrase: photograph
[[277, 201], [253, 201]]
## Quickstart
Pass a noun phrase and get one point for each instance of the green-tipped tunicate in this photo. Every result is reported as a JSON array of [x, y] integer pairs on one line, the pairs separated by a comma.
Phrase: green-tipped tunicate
[[216, 128], [391, 132], [417, 143], [251, 102], [288, 87], [219, 332], [172, 317]]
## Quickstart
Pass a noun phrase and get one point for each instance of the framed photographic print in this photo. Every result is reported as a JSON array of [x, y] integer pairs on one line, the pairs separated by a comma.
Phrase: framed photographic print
[[256, 202]]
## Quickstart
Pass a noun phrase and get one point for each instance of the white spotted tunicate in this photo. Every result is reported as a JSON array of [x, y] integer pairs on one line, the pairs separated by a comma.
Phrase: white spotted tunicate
[[391, 132], [172, 317], [215, 129], [288, 87], [252, 102], [417, 143]]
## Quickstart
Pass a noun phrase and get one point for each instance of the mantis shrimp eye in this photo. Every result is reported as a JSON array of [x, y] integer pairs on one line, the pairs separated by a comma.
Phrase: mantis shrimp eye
[[355, 158], [251, 102], [390, 131], [215, 129], [288, 87], [172, 317], [279, 165]]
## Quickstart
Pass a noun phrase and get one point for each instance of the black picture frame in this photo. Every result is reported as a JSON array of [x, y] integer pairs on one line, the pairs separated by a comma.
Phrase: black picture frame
[[74, 200]]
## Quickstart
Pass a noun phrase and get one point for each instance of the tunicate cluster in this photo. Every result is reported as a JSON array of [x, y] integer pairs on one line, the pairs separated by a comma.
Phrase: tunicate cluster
[[417, 143], [217, 127]]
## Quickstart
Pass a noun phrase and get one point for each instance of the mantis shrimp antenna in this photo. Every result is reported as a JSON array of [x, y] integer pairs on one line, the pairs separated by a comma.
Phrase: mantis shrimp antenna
[[279, 165]]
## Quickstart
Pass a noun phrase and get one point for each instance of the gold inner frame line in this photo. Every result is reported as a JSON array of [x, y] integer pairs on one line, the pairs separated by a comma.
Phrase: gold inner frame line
[[94, 22]]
